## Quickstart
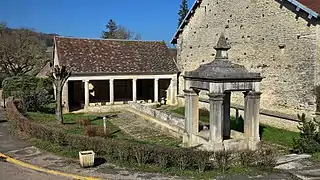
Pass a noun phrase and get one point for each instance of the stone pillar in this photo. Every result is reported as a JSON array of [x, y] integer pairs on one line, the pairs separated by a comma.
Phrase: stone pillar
[[111, 91], [245, 114], [216, 112], [156, 90], [134, 90], [226, 115], [54, 91], [252, 115], [191, 111], [86, 94], [65, 98], [173, 91]]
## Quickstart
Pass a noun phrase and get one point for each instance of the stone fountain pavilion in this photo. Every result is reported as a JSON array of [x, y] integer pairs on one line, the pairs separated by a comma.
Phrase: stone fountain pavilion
[[219, 78]]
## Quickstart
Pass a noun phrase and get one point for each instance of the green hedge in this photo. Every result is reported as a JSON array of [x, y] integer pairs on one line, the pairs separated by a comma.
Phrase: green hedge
[[17, 85], [137, 153]]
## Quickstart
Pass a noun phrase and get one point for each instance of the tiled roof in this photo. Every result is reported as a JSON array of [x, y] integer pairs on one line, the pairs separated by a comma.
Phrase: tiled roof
[[313, 5], [44, 72], [114, 56]]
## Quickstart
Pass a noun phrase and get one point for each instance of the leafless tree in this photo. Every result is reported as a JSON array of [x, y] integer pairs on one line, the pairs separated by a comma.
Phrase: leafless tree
[[20, 50], [59, 77]]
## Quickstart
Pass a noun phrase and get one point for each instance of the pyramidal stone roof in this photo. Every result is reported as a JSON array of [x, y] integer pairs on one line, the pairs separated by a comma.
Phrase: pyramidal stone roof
[[221, 68], [100, 56]]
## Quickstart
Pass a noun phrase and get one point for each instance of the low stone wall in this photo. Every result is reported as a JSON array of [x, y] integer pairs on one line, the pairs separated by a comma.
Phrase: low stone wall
[[1, 99], [163, 116], [278, 120]]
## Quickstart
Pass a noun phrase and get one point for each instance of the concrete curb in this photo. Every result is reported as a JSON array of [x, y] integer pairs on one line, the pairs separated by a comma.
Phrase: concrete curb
[[40, 169]]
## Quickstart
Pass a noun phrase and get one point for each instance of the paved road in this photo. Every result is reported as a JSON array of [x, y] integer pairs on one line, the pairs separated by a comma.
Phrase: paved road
[[11, 171]]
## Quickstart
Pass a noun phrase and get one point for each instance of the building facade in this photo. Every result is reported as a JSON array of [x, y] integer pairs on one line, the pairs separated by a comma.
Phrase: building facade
[[278, 38], [106, 72]]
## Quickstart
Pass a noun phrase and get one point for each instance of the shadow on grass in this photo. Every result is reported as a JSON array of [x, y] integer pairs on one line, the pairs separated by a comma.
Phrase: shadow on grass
[[113, 134], [239, 126], [69, 123], [47, 110], [107, 116], [3, 121], [99, 161]]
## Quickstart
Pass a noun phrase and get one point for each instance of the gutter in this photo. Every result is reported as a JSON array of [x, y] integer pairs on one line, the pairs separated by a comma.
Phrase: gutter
[[311, 12]]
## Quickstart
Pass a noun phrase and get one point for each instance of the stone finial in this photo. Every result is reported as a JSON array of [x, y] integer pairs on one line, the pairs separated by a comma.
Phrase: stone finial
[[222, 48]]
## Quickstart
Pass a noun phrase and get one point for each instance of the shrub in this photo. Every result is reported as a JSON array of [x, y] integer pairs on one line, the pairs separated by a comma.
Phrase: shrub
[[135, 153], [184, 158], [309, 139], [202, 159], [34, 92], [267, 157], [161, 156], [141, 153], [123, 151], [247, 157], [94, 131], [223, 159], [84, 122], [34, 100]]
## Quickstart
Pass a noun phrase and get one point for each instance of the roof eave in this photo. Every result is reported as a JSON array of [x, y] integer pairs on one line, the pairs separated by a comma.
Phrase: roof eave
[[121, 73], [227, 79], [299, 6], [183, 23]]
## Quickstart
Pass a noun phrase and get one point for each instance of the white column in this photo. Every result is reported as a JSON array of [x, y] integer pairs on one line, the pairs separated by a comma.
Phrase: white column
[[156, 88], [65, 98], [216, 112], [173, 91], [86, 93], [191, 111], [134, 90], [55, 92], [252, 115], [111, 91]]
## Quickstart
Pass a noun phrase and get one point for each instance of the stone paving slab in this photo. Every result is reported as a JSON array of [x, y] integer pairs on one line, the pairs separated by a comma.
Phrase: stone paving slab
[[292, 157]]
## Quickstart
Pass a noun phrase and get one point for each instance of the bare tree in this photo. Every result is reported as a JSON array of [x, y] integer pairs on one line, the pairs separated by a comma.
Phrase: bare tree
[[20, 50], [59, 77]]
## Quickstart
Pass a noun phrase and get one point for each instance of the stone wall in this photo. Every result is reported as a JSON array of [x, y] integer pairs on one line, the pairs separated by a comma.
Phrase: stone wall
[[266, 37], [281, 121], [163, 116], [1, 99]]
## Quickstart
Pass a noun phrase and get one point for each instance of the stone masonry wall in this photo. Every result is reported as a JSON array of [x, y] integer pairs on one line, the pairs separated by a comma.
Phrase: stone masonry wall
[[165, 117], [266, 37]]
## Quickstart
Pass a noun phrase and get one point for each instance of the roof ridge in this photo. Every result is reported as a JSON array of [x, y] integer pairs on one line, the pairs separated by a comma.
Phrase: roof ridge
[[100, 39]]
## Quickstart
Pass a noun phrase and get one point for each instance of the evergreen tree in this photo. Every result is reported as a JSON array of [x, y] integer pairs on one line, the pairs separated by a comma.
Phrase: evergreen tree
[[111, 32], [115, 31], [183, 11]]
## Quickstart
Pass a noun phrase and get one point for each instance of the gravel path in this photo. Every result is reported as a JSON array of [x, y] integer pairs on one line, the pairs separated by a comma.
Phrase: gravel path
[[145, 130]]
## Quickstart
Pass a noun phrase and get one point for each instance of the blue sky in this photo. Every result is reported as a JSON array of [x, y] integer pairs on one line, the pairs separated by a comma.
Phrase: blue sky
[[153, 19]]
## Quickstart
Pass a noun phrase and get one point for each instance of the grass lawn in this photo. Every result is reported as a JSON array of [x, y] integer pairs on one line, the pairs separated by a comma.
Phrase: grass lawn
[[71, 122], [267, 133], [71, 126]]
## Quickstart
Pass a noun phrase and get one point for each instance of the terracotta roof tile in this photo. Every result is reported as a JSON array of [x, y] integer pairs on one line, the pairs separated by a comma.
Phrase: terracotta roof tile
[[311, 4], [114, 56]]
